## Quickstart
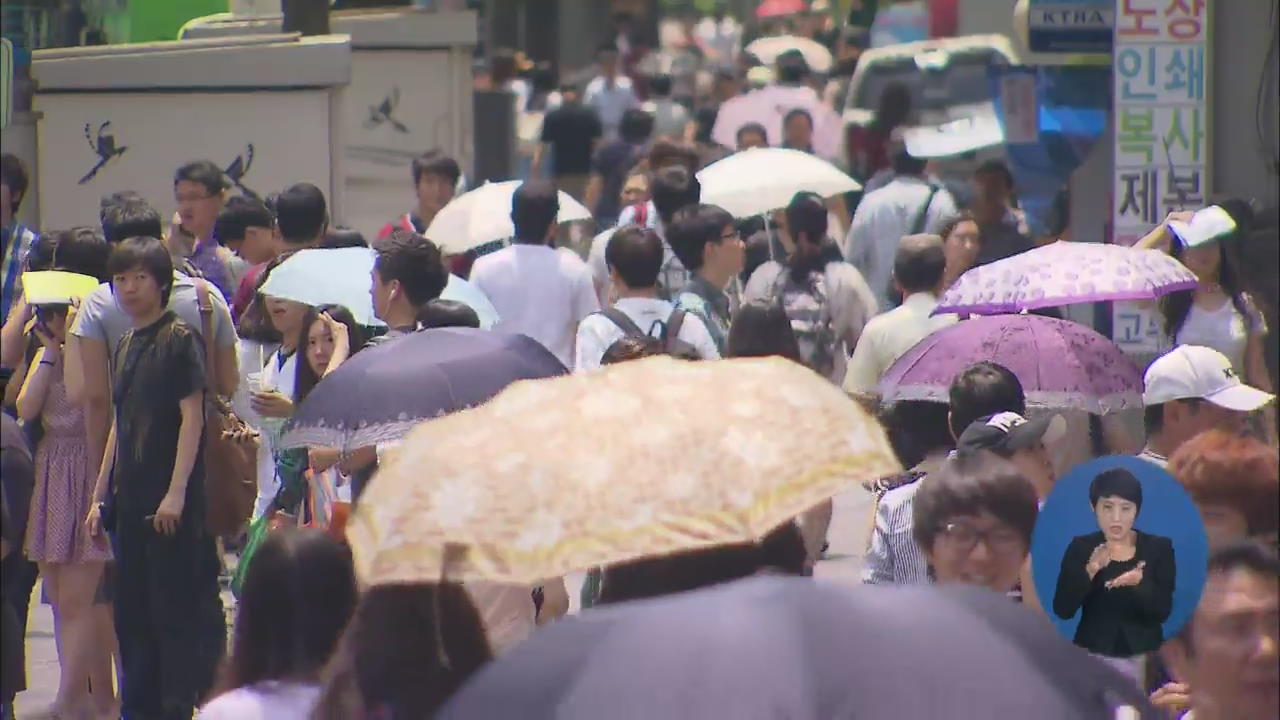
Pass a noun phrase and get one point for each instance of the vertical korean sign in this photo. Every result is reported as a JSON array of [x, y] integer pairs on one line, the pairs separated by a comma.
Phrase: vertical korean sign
[[1160, 70]]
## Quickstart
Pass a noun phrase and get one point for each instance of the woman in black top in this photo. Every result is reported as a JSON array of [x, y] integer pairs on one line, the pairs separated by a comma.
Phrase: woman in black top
[[1120, 579]]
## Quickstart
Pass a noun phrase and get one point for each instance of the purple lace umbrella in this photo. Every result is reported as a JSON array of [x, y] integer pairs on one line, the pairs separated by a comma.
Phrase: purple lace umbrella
[[1064, 273], [1061, 364]]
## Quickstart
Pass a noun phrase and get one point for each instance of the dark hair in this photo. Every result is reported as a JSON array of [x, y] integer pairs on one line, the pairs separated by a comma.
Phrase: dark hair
[[792, 67], [762, 329], [967, 484], [915, 429], [125, 215], [606, 48], [904, 163], [950, 224], [636, 254], [439, 313], [660, 85], [1249, 555], [239, 214], [434, 162], [1116, 482], [751, 127], [305, 378], [693, 569], [983, 389], [996, 167], [1218, 467], [631, 348], [254, 322], [666, 152], [203, 172], [542, 78], [415, 261], [919, 268], [298, 595], [1176, 306], [692, 228], [41, 255], [807, 213], [81, 250], [13, 173], [893, 108], [797, 112], [674, 188], [343, 237], [301, 213], [636, 125], [147, 253], [407, 649], [534, 207]]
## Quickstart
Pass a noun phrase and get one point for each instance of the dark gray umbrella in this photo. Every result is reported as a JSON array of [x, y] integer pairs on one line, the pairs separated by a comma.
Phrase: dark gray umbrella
[[383, 391], [797, 649]]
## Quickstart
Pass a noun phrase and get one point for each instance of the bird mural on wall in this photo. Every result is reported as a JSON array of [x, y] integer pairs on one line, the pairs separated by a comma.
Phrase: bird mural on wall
[[103, 145], [381, 113], [239, 168]]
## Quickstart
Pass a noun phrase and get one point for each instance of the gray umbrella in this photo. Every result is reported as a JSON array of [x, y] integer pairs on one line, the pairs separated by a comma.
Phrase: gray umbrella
[[798, 649]]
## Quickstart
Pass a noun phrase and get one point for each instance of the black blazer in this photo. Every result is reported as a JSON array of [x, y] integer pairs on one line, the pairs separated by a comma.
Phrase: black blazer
[[1124, 621]]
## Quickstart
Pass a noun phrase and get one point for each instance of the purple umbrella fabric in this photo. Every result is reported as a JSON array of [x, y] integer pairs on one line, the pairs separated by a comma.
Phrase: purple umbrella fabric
[[1064, 273], [1061, 364]]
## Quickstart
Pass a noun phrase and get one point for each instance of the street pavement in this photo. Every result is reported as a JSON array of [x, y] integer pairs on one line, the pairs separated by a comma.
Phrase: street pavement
[[850, 526]]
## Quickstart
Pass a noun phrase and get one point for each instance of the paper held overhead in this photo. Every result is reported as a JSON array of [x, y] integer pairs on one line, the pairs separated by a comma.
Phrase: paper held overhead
[[54, 287], [1206, 225], [968, 129]]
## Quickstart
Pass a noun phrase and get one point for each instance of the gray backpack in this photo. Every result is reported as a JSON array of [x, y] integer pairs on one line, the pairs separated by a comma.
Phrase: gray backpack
[[807, 306], [668, 337]]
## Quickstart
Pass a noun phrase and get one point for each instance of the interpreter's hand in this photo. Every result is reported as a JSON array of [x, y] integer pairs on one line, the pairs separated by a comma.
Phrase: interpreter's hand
[[169, 514], [1127, 579], [1098, 559], [93, 523], [323, 458], [273, 404], [1172, 698]]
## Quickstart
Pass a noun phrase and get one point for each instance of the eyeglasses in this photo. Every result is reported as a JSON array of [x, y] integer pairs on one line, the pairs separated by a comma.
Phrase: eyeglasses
[[965, 537]]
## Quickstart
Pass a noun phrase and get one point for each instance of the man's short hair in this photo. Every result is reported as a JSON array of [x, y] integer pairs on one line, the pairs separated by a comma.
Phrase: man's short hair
[[751, 127], [674, 188], [239, 214], [983, 389], [660, 85], [81, 250], [968, 484], [148, 254], [203, 172], [413, 260], [996, 167], [1116, 482], [692, 229], [434, 162], [534, 207], [606, 48], [797, 112], [919, 263], [125, 215], [636, 254], [438, 313], [636, 125], [301, 213], [807, 213], [343, 237], [1248, 555], [904, 163], [1218, 467], [792, 67], [13, 173], [664, 153]]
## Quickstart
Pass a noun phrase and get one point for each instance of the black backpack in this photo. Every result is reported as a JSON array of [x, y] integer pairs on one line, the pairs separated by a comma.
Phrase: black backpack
[[669, 337]]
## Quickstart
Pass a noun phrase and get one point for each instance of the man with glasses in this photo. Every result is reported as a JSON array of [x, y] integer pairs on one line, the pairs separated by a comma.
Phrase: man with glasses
[[705, 240], [200, 189]]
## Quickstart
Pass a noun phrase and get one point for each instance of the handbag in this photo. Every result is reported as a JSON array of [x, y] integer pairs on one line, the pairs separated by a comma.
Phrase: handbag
[[326, 511], [230, 465]]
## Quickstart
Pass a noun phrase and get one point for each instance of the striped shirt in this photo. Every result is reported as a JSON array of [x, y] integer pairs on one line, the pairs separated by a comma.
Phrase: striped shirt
[[894, 558], [18, 241]]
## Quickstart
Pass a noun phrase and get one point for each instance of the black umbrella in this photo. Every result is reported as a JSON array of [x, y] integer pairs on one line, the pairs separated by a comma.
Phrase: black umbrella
[[798, 649], [382, 392]]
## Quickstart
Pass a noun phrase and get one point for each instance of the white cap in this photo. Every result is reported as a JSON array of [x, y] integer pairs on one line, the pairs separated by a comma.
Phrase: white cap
[[1193, 371]]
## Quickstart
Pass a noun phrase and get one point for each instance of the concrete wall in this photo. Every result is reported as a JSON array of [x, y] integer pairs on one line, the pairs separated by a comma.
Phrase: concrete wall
[[1242, 164]]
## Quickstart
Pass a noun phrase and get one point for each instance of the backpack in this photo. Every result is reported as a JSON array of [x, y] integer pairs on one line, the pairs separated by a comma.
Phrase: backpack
[[230, 465], [669, 337], [806, 306]]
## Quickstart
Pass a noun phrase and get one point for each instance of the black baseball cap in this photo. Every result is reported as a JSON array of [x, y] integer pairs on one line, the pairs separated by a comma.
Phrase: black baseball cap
[[1008, 432]]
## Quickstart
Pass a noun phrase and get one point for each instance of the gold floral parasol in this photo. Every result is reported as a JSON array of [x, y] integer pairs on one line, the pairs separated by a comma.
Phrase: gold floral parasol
[[643, 458]]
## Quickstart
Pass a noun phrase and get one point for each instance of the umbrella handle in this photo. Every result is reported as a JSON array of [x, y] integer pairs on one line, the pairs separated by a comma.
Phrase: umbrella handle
[[768, 236]]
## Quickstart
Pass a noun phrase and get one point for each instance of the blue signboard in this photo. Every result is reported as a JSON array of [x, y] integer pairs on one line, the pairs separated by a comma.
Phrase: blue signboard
[[1070, 26]]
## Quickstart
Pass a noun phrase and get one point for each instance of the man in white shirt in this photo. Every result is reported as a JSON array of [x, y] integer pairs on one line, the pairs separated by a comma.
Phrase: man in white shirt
[[538, 290], [635, 257], [908, 205], [918, 269], [610, 93], [1189, 390]]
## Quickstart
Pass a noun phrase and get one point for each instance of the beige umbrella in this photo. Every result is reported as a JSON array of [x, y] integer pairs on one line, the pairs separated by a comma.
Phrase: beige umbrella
[[643, 458]]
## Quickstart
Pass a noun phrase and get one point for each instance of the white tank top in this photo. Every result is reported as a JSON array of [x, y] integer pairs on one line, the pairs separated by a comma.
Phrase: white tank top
[[1224, 330]]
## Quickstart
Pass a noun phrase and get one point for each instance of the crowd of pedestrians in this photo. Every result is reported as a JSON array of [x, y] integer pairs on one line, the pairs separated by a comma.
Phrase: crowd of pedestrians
[[109, 395]]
